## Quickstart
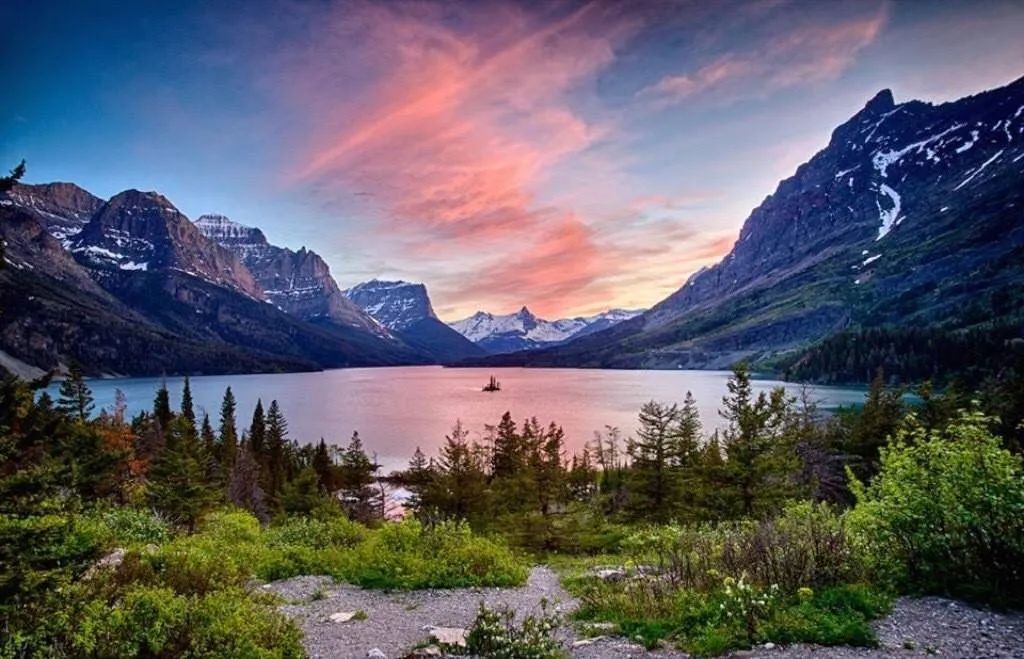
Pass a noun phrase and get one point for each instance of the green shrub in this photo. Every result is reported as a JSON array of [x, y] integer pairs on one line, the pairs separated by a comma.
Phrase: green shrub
[[315, 533], [945, 514], [128, 527], [495, 634], [410, 555], [146, 621]]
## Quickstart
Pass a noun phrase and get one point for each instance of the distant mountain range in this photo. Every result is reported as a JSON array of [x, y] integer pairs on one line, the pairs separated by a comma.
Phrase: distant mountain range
[[524, 331], [912, 216], [405, 309], [131, 286]]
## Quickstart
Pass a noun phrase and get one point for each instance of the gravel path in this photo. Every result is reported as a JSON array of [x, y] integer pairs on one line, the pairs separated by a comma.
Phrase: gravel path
[[398, 621]]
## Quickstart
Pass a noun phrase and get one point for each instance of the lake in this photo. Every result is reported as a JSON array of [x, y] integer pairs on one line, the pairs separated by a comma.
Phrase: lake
[[397, 409]]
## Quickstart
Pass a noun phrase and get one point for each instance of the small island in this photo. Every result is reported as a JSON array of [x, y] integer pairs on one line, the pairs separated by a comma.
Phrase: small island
[[493, 385]]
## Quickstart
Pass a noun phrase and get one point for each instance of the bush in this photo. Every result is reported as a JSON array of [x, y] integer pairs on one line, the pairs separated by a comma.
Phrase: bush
[[148, 621], [128, 527], [804, 546], [495, 634], [409, 555], [945, 514], [315, 534]]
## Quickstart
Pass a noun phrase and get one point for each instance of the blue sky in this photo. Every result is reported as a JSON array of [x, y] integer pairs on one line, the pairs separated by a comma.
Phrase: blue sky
[[568, 156]]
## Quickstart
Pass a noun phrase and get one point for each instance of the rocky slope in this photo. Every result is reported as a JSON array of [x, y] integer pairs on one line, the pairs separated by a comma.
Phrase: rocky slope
[[64, 208], [298, 282], [405, 308], [912, 215], [525, 331], [140, 291]]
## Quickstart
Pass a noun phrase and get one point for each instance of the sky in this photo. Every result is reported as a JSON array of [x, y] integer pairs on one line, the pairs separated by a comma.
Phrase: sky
[[569, 156]]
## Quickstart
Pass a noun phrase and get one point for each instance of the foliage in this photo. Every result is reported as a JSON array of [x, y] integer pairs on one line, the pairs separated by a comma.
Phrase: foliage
[[946, 512], [157, 621], [495, 634]]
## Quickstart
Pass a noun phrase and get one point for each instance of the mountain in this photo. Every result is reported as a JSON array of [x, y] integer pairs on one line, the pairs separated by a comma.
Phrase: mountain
[[138, 290], [405, 308], [298, 282], [910, 216], [144, 231], [524, 331], [64, 208]]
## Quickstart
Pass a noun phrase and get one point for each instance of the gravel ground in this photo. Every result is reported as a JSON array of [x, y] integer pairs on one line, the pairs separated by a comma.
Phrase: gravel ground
[[396, 622]]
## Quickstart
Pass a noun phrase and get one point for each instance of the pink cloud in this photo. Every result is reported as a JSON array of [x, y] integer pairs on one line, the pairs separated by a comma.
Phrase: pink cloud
[[803, 54]]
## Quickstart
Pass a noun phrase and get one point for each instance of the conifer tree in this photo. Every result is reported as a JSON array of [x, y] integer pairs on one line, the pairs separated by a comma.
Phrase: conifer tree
[[162, 407], [324, 467], [654, 454], [506, 458], [301, 495], [178, 479], [75, 397], [276, 440], [228, 431], [6, 185], [461, 491], [258, 432], [244, 484], [187, 406], [756, 462], [355, 480]]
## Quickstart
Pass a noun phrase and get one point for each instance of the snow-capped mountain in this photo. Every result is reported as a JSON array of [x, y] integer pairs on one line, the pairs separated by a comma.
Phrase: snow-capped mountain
[[404, 308], [298, 282], [144, 231], [63, 207], [525, 331], [911, 216], [394, 304]]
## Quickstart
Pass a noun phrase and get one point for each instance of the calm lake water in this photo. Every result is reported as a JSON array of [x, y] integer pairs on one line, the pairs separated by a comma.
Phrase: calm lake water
[[397, 409]]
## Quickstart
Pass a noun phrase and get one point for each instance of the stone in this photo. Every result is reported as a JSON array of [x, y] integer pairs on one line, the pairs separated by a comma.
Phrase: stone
[[769, 646], [111, 561], [376, 653], [342, 616], [455, 636], [427, 651]]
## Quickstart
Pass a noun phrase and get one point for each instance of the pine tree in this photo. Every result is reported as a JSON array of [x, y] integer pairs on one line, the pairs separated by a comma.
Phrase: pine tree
[[755, 464], [120, 406], [187, 407], [75, 398], [244, 484], [258, 432], [228, 432], [6, 185], [654, 478], [276, 440], [324, 467], [460, 492], [507, 456], [301, 495], [355, 478], [178, 479], [162, 407]]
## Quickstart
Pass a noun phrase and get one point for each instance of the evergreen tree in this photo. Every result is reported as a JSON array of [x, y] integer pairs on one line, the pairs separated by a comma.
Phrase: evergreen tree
[[187, 407], [120, 406], [258, 432], [324, 467], [228, 432], [244, 484], [75, 397], [277, 447], [301, 495], [162, 407], [654, 455], [355, 480], [178, 484], [507, 455], [758, 466], [459, 490], [6, 185]]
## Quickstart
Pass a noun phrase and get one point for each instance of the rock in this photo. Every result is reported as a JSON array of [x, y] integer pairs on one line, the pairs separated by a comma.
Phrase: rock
[[769, 646], [109, 562], [584, 642], [342, 616], [376, 653], [455, 636], [427, 651], [608, 573]]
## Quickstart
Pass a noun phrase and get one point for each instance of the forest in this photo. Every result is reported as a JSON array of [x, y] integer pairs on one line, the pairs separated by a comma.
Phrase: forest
[[143, 536]]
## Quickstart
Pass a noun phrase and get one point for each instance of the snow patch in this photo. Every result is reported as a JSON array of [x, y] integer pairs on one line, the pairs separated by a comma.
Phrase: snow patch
[[979, 170], [890, 216]]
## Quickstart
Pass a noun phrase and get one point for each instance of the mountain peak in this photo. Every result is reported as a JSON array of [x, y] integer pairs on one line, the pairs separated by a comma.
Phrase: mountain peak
[[395, 304], [881, 102]]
